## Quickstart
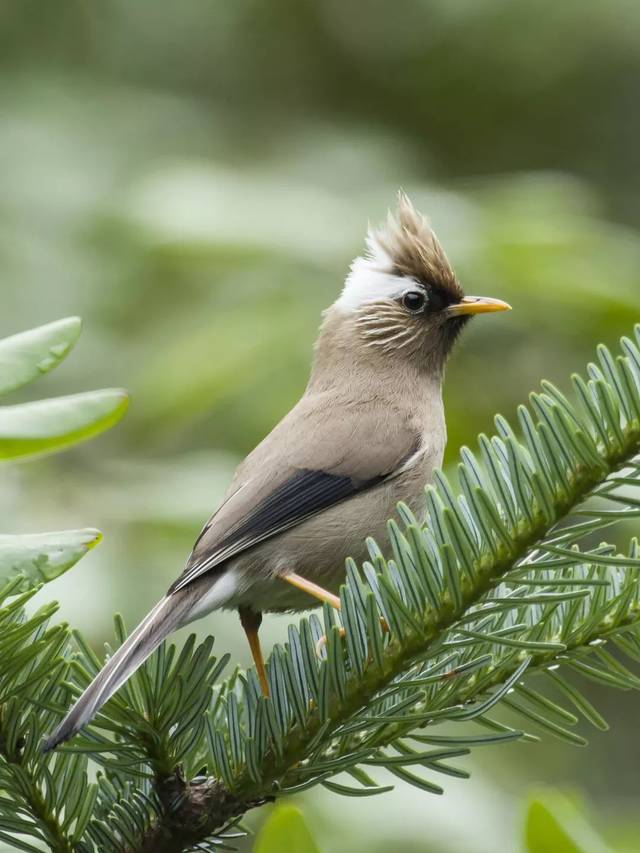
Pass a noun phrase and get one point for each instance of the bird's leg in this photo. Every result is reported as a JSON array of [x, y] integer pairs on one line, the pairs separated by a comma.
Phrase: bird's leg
[[313, 589], [317, 592], [322, 595], [251, 621]]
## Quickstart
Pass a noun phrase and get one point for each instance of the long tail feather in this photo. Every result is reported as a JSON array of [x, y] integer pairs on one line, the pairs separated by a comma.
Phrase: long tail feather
[[165, 617]]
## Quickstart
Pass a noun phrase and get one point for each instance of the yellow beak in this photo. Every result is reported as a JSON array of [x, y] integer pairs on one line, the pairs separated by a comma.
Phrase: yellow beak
[[477, 305]]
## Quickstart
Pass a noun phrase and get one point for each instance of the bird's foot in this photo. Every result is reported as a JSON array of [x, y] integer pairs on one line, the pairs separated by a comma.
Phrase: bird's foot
[[322, 642]]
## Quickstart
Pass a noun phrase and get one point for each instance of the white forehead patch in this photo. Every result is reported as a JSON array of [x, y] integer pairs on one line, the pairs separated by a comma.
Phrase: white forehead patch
[[370, 279]]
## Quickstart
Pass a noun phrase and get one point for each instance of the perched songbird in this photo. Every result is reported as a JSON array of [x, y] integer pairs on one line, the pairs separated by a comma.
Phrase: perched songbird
[[368, 432]]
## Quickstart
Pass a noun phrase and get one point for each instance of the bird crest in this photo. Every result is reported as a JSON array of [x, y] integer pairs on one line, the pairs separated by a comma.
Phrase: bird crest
[[407, 246]]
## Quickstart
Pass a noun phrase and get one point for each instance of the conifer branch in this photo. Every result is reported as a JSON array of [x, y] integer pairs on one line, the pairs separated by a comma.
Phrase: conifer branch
[[332, 716], [497, 599]]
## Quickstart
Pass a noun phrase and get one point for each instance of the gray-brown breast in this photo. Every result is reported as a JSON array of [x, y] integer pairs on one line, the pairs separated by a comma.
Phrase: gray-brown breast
[[317, 548]]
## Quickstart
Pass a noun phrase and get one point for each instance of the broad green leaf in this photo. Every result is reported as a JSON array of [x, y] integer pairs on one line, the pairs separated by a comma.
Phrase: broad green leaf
[[41, 557], [554, 825], [27, 355], [285, 829], [49, 425]]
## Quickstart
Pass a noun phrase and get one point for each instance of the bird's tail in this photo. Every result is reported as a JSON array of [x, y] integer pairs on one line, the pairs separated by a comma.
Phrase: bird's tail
[[165, 617]]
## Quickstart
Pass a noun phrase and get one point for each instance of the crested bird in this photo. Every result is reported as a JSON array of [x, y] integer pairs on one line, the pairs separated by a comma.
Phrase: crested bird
[[368, 432]]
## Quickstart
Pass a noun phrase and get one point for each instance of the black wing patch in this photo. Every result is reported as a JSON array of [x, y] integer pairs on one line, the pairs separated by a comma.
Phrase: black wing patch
[[301, 496]]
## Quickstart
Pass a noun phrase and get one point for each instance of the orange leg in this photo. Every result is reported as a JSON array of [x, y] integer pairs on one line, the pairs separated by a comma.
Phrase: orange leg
[[313, 589], [317, 592], [251, 622], [323, 595]]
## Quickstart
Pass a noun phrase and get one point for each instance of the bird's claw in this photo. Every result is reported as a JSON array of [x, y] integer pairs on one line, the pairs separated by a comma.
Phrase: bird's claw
[[322, 642]]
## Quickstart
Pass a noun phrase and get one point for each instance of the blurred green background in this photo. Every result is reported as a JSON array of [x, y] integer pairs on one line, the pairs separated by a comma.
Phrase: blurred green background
[[194, 178]]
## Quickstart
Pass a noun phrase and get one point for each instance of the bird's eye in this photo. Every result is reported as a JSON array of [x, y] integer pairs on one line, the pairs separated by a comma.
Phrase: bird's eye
[[414, 300]]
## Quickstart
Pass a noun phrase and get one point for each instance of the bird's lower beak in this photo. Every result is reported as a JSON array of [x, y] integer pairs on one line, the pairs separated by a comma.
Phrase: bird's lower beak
[[477, 305]]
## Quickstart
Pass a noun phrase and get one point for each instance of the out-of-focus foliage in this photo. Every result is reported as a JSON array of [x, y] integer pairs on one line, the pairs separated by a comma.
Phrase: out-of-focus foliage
[[42, 557], [37, 801], [48, 425], [285, 829], [194, 179], [43, 427], [25, 356], [555, 824]]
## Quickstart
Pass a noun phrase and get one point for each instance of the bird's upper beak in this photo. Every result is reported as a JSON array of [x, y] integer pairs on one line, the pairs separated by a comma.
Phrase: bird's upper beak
[[477, 305]]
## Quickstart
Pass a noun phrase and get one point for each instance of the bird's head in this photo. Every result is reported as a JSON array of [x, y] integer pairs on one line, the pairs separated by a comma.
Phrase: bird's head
[[402, 297]]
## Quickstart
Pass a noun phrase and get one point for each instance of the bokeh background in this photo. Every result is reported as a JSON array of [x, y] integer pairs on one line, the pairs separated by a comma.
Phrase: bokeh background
[[193, 179]]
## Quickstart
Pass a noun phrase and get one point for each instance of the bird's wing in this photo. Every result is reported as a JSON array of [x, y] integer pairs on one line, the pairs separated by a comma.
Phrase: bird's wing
[[322, 453]]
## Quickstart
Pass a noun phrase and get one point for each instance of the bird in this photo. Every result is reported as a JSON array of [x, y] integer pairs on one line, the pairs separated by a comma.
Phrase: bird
[[368, 432]]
